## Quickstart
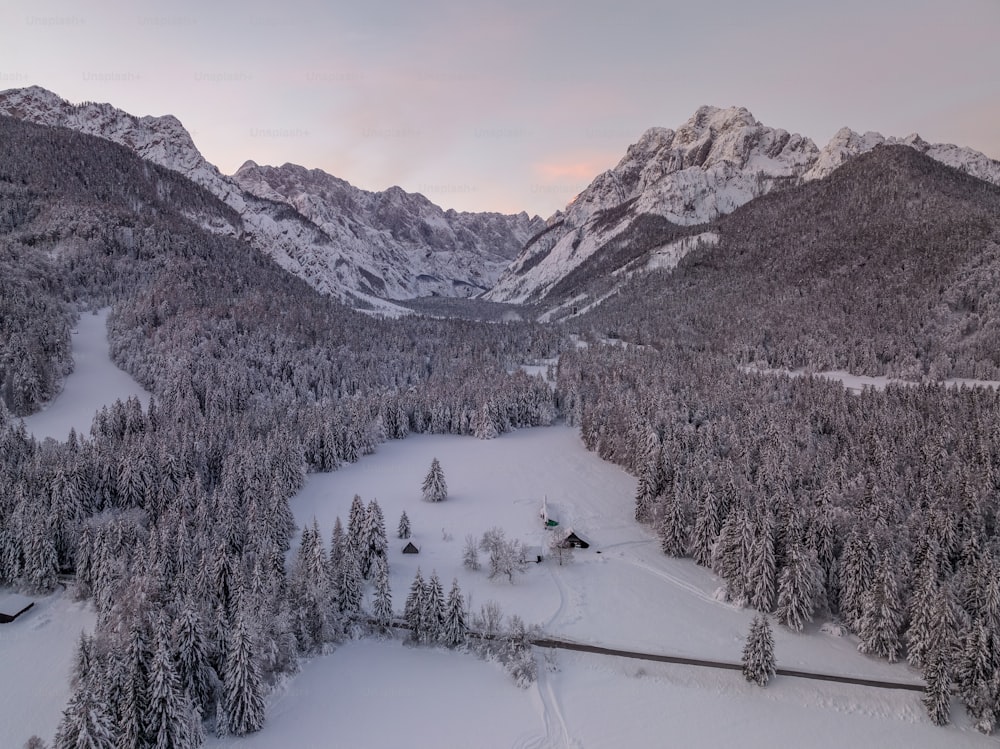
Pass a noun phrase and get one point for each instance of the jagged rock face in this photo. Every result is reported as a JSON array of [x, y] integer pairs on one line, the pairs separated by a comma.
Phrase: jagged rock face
[[419, 248], [717, 161], [714, 163], [357, 246]]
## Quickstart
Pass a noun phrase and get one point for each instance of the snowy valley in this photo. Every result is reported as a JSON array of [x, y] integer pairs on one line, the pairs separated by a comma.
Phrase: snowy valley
[[232, 356], [622, 592]]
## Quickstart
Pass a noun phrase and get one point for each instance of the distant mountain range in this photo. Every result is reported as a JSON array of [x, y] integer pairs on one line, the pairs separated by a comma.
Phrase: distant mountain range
[[359, 246], [369, 247]]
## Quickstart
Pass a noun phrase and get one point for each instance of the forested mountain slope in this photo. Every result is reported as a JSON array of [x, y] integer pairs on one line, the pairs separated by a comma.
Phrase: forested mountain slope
[[887, 266], [717, 161]]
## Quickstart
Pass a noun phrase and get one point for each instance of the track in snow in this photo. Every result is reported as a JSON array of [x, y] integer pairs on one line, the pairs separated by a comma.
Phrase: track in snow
[[544, 642]]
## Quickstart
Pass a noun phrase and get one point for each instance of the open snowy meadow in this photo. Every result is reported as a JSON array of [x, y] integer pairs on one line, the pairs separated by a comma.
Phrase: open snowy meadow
[[622, 592]]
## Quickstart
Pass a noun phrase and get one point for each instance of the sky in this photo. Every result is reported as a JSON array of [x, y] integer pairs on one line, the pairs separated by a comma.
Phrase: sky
[[513, 105]]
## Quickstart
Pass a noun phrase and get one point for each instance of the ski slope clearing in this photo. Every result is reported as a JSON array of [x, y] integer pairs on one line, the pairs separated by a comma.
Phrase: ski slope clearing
[[622, 592], [94, 382]]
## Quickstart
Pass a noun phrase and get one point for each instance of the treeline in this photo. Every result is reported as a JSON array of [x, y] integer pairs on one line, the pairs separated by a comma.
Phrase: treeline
[[878, 509], [886, 267]]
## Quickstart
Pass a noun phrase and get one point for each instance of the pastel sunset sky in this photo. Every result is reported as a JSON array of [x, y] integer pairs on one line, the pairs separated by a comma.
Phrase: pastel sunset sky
[[513, 105]]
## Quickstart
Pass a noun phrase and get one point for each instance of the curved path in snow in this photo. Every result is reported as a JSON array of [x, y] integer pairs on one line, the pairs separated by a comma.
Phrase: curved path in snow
[[545, 642]]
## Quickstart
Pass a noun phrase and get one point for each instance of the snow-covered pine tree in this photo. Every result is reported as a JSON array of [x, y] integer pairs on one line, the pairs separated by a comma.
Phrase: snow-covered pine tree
[[404, 526], [242, 688], [134, 704], [349, 591], [455, 629], [375, 535], [355, 523], [413, 610], [921, 614], [758, 652], [977, 676], [193, 669], [382, 600], [937, 692], [86, 723], [704, 534], [881, 614], [435, 488], [433, 613], [857, 570], [762, 576], [672, 527], [798, 588], [485, 425], [337, 546], [172, 721]]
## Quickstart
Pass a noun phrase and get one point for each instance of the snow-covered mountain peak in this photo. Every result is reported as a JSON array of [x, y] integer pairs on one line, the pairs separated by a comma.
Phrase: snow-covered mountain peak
[[713, 163]]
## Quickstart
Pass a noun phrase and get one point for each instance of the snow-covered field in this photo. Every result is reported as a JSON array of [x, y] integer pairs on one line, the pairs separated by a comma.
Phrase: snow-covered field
[[622, 592], [856, 383], [36, 653], [95, 382]]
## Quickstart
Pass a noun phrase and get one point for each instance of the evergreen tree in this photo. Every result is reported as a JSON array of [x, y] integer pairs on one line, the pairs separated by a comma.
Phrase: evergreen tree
[[881, 615], [798, 588], [349, 590], [435, 489], [857, 570], [413, 610], [705, 532], [762, 573], [433, 610], [172, 721], [373, 537], [455, 629], [355, 522], [937, 693], [337, 549], [242, 688], [382, 603], [758, 652], [977, 675], [404, 526], [86, 723], [921, 615], [672, 528], [134, 704], [193, 670]]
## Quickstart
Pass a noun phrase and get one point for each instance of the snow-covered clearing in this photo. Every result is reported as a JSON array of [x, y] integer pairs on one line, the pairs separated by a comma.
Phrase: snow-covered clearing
[[386, 694], [36, 653], [622, 592], [94, 382], [856, 383]]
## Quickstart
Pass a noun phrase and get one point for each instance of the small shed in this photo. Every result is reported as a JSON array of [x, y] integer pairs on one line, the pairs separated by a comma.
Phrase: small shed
[[574, 541], [411, 548], [12, 606]]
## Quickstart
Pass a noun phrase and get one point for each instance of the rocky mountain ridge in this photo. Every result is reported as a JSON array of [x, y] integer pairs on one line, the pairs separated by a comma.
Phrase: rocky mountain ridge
[[413, 249], [717, 161]]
